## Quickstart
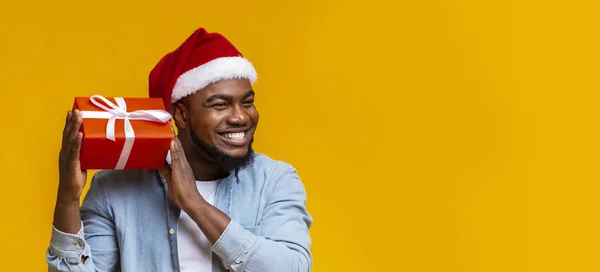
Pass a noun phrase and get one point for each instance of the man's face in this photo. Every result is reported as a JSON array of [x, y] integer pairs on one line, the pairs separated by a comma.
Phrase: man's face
[[222, 118]]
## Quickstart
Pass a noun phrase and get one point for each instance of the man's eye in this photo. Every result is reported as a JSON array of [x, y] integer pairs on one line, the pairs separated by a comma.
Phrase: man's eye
[[220, 106], [248, 102]]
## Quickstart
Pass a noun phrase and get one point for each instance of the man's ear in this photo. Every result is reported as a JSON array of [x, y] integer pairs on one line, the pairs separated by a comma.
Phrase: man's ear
[[180, 115]]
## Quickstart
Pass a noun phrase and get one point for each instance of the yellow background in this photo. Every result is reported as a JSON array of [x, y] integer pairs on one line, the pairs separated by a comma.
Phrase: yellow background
[[431, 135]]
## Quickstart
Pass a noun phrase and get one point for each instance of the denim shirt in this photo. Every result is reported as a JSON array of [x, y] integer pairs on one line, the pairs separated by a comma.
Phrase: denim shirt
[[129, 223]]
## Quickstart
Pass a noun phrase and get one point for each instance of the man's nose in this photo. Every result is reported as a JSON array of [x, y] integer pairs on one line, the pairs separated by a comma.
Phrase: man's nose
[[238, 117]]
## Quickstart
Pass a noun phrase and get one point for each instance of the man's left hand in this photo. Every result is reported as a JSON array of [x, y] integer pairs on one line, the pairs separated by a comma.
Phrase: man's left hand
[[180, 179]]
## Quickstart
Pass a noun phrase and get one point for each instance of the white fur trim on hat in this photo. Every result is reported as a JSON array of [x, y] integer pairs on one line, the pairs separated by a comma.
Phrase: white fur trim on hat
[[211, 72]]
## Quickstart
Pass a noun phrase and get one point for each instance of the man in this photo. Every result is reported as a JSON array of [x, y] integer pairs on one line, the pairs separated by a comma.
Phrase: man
[[218, 206]]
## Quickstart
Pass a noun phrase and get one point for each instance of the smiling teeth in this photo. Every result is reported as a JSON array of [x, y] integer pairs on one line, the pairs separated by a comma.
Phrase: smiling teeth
[[235, 136]]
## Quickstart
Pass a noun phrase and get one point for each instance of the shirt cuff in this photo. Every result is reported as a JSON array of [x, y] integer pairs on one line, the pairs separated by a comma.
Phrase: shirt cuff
[[67, 245], [235, 244]]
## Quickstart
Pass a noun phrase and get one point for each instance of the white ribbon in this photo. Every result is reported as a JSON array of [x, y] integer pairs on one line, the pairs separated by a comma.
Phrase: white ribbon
[[119, 111]]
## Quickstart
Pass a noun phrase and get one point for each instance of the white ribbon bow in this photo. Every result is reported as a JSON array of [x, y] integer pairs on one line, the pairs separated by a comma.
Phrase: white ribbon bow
[[119, 111]]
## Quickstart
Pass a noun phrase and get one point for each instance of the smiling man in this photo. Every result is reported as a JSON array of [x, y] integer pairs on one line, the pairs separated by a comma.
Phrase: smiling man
[[217, 206]]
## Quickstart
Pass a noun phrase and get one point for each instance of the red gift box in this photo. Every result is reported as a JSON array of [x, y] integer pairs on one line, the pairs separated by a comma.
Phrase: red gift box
[[124, 133]]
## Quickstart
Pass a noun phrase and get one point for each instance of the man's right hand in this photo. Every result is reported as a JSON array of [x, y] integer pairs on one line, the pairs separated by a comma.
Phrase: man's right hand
[[71, 178]]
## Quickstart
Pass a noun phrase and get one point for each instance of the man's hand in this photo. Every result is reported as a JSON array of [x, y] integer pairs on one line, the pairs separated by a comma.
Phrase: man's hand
[[180, 179], [71, 178], [182, 189]]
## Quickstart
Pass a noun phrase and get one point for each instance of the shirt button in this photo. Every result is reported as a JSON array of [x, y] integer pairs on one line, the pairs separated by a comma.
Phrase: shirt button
[[78, 246], [171, 231]]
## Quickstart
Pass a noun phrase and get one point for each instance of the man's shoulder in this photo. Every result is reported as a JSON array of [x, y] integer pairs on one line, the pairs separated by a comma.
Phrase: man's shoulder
[[264, 163], [268, 170], [268, 176]]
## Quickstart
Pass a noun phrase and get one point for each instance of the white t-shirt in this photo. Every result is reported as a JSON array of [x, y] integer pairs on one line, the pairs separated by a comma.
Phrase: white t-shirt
[[194, 249]]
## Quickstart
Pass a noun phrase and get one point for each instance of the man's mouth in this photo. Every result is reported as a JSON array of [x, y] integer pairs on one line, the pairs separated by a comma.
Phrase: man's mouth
[[234, 138], [235, 135]]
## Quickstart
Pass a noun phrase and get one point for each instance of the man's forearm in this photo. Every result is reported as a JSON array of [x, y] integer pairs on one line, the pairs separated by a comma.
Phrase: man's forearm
[[211, 220], [66, 217]]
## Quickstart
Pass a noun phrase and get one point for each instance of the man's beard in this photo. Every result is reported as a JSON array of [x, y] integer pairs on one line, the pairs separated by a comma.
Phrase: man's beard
[[222, 159]]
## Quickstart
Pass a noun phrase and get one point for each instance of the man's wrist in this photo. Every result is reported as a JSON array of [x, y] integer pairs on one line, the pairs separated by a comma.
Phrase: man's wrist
[[197, 208], [66, 216], [65, 196], [67, 202]]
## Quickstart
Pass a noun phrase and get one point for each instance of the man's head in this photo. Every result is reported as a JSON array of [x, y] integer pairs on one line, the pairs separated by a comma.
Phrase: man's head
[[207, 84], [219, 122]]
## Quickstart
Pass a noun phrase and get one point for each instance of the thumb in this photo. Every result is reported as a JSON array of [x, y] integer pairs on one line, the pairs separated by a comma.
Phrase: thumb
[[166, 172]]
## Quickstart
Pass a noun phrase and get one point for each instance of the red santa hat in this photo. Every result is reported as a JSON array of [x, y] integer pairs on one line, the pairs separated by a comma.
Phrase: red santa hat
[[203, 58]]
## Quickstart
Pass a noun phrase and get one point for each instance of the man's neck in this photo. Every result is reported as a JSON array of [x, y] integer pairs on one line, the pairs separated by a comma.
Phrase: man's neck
[[204, 169], [206, 172]]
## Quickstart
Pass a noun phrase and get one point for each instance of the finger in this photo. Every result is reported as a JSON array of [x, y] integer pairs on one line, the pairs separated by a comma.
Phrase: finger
[[78, 146], [67, 128], [67, 123], [175, 138], [76, 122], [75, 138], [180, 152], [69, 136], [79, 119], [166, 173], [177, 145], [175, 154], [75, 126], [75, 147]]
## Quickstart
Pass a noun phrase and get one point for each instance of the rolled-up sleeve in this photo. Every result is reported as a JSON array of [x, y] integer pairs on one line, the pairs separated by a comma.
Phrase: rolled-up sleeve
[[284, 243], [66, 250], [94, 247]]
